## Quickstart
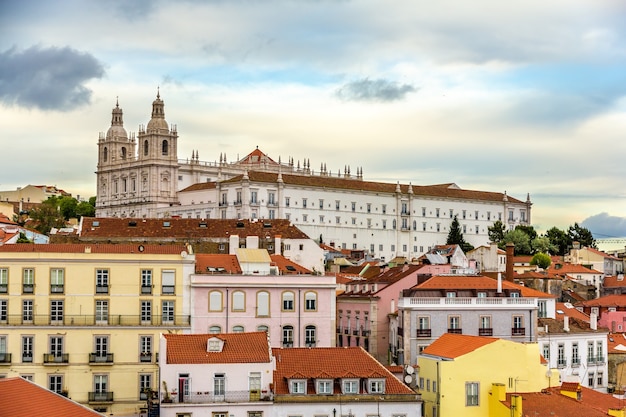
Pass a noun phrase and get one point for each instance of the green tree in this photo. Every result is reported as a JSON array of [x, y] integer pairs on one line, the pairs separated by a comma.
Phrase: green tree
[[542, 260], [496, 232], [455, 236], [519, 238], [559, 239], [529, 230], [23, 238], [46, 216], [582, 235], [543, 244], [85, 209]]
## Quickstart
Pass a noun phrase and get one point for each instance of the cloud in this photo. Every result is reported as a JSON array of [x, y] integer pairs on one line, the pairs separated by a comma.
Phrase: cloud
[[47, 78], [374, 90], [604, 225]]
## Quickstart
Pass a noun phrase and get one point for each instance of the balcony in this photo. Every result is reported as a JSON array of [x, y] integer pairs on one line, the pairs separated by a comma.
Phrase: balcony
[[92, 320], [101, 397], [309, 343], [102, 289], [365, 333], [424, 333], [28, 288], [5, 358], [485, 331], [518, 331], [455, 331], [101, 359], [27, 357], [4, 288], [56, 358], [346, 331], [561, 363], [355, 332], [600, 359], [287, 343], [591, 360], [145, 357], [57, 289], [575, 362], [208, 397], [146, 289], [167, 289], [338, 329], [505, 303]]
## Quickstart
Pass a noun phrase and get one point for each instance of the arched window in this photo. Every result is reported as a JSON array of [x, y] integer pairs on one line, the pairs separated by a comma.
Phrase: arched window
[[215, 329], [215, 301], [288, 336], [414, 225], [262, 328], [310, 337], [239, 301], [164, 147], [123, 152], [146, 147], [237, 329], [310, 301], [394, 223], [288, 301], [262, 304], [105, 154]]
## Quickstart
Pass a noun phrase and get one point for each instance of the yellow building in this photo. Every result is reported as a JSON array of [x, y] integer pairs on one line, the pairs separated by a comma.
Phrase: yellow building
[[84, 319], [469, 376]]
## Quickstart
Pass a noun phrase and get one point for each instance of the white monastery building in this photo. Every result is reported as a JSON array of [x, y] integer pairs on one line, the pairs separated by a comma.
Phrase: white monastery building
[[141, 177]]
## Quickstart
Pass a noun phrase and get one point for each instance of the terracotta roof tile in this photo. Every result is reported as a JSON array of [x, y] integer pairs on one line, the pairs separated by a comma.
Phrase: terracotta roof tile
[[552, 403], [332, 362], [614, 281], [613, 300], [238, 348], [95, 248], [571, 269], [22, 398], [217, 263], [287, 266], [458, 282], [452, 346], [566, 309]]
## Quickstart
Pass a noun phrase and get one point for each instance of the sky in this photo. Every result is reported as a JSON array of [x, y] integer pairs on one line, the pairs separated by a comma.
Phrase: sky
[[517, 97]]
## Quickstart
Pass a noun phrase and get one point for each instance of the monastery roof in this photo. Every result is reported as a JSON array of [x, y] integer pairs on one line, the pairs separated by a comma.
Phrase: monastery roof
[[338, 183], [451, 346], [176, 228], [613, 300], [551, 402], [23, 398], [250, 347], [331, 363], [465, 282], [121, 248]]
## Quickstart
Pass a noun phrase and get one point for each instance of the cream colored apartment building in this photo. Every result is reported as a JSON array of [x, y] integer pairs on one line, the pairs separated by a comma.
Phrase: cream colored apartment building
[[84, 320]]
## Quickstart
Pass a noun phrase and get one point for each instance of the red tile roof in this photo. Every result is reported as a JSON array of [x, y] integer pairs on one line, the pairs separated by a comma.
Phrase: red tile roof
[[461, 282], [222, 264], [238, 348], [566, 309], [614, 282], [22, 398], [452, 346], [95, 248], [552, 403], [287, 267], [616, 343], [571, 269], [613, 300], [331, 363]]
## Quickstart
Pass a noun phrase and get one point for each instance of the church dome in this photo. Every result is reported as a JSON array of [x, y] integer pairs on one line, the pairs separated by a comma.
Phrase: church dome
[[117, 124], [157, 122]]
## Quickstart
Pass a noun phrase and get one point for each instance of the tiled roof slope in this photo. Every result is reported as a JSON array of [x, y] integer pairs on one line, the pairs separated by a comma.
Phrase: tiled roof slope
[[238, 348], [452, 346], [614, 281], [441, 191], [282, 263], [209, 185], [613, 300], [552, 403], [22, 398], [462, 282], [571, 269], [205, 261], [558, 326], [94, 248], [111, 227], [566, 309], [331, 363]]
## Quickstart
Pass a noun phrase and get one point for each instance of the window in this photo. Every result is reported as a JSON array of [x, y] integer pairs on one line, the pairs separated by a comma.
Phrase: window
[[324, 386], [146, 311], [575, 357], [485, 326], [353, 205], [55, 383], [56, 347], [288, 301], [164, 147], [238, 329], [262, 328], [297, 386], [384, 224], [168, 281], [101, 348], [454, 324], [56, 280], [600, 379], [518, 326], [471, 394], [350, 386], [310, 301], [239, 301], [546, 351], [287, 336], [310, 336], [56, 311], [167, 312], [100, 387], [102, 281], [376, 386], [384, 208], [145, 348], [27, 311], [28, 343], [145, 385], [262, 304], [215, 301], [146, 281], [219, 384], [271, 198], [599, 351], [286, 201], [590, 378], [304, 202], [560, 361], [28, 280], [543, 309], [102, 311], [253, 197], [4, 280], [215, 329]]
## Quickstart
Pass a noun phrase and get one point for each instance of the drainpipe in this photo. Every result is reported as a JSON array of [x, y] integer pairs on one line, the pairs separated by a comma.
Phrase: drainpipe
[[299, 317], [227, 298]]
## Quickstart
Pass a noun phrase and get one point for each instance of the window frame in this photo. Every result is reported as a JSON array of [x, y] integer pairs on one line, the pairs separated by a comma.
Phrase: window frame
[[472, 394]]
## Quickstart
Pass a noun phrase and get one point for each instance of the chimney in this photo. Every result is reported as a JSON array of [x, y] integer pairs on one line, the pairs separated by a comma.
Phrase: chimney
[[278, 245], [510, 251], [593, 321], [566, 323], [499, 283]]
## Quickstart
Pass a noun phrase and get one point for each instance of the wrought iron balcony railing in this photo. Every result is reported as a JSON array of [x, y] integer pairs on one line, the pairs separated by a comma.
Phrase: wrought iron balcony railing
[[485, 331], [56, 358], [424, 333], [518, 331], [101, 358], [93, 320], [101, 397], [5, 358]]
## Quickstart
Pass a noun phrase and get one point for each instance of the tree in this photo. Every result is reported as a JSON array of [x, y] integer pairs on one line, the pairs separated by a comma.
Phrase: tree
[[85, 209], [559, 239], [23, 238], [496, 232], [529, 230], [543, 244], [455, 236], [46, 216], [581, 235], [519, 238], [542, 260]]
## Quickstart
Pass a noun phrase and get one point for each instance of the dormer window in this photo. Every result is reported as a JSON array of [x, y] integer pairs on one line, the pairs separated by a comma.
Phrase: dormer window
[[297, 386], [376, 386], [215, 344], [350, 386], [324, 386], [514, 295]]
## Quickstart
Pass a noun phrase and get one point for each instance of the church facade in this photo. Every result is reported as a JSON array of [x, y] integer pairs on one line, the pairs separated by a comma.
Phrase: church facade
[[142, 177]]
